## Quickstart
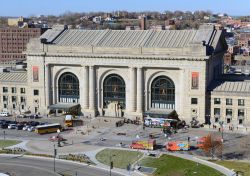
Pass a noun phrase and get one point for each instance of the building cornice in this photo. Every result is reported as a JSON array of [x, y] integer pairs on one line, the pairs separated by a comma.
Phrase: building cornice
[[119, 56]]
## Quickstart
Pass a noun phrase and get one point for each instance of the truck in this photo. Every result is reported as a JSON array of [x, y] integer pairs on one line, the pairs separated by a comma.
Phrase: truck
[[177, 146], [72, 121], [144, 144]]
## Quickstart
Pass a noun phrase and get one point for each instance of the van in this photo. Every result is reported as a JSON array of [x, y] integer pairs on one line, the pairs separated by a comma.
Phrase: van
[[4, 114]]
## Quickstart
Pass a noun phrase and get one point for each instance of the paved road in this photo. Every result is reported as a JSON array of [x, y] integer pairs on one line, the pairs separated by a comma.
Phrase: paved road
[[22, 165]]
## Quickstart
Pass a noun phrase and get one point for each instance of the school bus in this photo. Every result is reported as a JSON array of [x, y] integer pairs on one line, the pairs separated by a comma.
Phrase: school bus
[[51, 128], [71, 121]]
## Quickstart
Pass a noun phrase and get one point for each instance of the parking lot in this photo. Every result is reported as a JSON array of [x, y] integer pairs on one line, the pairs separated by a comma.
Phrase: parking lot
[[102, 131]]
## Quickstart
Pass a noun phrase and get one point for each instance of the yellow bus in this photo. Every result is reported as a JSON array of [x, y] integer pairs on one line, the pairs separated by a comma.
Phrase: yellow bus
[[50, 128]]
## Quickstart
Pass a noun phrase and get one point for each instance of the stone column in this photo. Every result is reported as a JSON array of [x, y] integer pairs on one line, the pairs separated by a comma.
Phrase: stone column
[[85, 87], [92, 88], [47, 86], [139, 90], [132, 105]]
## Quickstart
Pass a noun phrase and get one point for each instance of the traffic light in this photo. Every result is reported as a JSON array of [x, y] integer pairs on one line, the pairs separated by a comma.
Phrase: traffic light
[[111, 165]]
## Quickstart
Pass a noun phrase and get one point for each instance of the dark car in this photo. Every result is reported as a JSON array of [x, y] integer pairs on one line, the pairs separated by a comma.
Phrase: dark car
[[33, 123], [19, 127], [4, 126]]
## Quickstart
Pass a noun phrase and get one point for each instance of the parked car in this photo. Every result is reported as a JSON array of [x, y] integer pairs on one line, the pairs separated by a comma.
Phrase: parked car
[[31, 128], [26, 127], [56, 138], [33, 123], [4, 125], [21, 116], [34, 116], [19, 127], [12, 126], [4, 114]]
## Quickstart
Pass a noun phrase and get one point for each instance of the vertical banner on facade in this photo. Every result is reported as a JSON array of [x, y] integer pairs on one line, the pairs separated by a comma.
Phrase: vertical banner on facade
[[195, 80], [35, 73]]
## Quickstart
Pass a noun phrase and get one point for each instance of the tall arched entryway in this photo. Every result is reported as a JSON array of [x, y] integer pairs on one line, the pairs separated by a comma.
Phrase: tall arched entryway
[[162, 93], [114, 93], [68, 88]]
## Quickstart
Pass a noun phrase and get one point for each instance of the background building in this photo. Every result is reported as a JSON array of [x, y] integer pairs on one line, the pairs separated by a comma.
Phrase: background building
[[13, 42]]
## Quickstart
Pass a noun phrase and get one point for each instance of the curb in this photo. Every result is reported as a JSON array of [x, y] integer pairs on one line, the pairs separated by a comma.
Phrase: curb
[[67, 161]]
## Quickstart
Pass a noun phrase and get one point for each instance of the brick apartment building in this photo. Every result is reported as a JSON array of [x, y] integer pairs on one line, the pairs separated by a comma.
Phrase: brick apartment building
[[13, 42]]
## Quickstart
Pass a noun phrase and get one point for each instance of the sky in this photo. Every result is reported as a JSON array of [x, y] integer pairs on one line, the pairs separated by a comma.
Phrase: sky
[[27, 8]]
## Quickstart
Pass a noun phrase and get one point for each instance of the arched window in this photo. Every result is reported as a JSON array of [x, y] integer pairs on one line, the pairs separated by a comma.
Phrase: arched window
[[162, 93], [68, 88], [114, 90]]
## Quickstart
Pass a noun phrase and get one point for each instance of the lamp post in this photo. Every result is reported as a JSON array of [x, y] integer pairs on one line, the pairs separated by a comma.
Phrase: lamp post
[[4, 134], [55, 152], [222, 129], [58, 138], [111, 163]]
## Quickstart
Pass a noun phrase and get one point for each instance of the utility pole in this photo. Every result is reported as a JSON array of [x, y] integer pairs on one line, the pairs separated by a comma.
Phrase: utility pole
[[4, 134], [55, 152]]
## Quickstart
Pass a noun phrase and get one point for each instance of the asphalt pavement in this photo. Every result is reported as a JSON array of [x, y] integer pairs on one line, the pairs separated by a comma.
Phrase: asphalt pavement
[[29, 166]]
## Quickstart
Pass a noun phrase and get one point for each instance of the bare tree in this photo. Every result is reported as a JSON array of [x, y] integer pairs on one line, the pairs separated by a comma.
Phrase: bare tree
[[213, 145]]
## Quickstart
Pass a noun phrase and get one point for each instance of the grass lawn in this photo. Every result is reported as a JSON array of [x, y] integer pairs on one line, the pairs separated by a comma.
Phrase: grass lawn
[[120, 158], [173, 166], [7, 143], [236, 165]]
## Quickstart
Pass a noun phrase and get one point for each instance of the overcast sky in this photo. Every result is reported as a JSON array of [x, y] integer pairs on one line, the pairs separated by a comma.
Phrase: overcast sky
[[56, 7]]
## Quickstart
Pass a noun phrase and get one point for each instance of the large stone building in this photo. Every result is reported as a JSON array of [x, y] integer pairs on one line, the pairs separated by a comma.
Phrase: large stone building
[[124, 73]]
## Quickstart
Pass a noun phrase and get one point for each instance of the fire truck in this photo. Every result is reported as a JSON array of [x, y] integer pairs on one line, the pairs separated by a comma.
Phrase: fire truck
[[144, 144]]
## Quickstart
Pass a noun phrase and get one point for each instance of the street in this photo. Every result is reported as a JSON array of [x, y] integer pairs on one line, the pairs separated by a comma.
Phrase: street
[[21, 165]]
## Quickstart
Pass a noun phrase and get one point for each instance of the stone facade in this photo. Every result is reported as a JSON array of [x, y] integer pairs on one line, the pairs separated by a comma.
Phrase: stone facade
[[190, 67]]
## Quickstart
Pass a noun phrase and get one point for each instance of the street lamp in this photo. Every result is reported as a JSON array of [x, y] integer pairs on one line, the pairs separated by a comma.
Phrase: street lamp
[[111, 163], [58, 138], [55, 153], [222, 129]]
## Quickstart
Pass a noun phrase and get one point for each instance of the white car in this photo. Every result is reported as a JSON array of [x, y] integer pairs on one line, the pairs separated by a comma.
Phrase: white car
[[12, 126], [4, 114], [31, 128], [26, 127]]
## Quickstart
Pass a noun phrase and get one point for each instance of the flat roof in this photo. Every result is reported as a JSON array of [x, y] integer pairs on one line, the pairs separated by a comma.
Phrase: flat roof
[[64, 106]]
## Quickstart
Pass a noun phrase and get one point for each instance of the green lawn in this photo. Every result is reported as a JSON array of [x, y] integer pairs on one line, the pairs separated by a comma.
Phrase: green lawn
[[173, 166], [7, 143], [120, 158], [236, 165]]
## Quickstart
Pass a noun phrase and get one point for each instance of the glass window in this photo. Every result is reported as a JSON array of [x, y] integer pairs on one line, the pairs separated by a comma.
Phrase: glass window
[[216, 100], [5, 98], [22, 107], [13, 90], [13, 98], [114, 90], [195, 80], [22, 90], [229, 112], [22, 99], [163, 93], [5, 89], [217, 111], [68, 88], [241, 112], [241, 102], [14, 106], [5, 106], [194, 100], [229, 101], [36, 92]]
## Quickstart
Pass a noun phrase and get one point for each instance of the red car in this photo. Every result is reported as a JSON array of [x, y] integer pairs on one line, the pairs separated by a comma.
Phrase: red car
[[56, 138]]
